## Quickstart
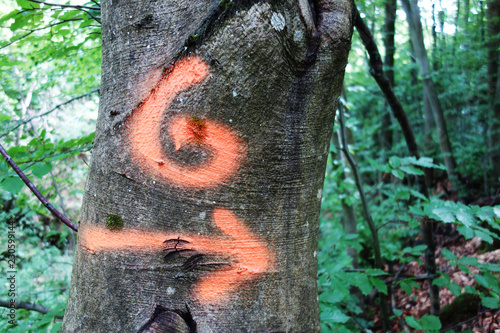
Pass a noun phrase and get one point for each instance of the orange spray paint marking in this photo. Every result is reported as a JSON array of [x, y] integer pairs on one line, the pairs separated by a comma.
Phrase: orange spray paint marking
[[249, 255], [145, 133]]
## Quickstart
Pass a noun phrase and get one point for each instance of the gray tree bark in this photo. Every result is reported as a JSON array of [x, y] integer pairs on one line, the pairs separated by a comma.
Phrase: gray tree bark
[[415, 26], [201, 206]]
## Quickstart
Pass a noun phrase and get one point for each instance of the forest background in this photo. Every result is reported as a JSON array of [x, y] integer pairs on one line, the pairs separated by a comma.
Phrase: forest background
[[377, 265]]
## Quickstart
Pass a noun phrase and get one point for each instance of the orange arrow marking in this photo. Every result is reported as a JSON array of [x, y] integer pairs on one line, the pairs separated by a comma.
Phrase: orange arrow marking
[[249, 255], [145, 126]]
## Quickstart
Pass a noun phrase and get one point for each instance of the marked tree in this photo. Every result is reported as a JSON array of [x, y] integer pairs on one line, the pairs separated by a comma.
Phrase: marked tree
[[201, 206]]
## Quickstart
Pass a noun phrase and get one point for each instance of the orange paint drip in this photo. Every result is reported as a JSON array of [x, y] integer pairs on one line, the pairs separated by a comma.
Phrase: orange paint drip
[[250, 255], [145, 133]]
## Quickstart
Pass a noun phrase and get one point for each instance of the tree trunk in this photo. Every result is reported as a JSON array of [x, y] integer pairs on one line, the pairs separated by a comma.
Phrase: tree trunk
[[201, 206], [348, 218], [390, 49], [494, 84], [413, 18]]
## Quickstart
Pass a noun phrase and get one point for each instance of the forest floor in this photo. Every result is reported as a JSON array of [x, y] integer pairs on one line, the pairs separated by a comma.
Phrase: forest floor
[[457, 314]]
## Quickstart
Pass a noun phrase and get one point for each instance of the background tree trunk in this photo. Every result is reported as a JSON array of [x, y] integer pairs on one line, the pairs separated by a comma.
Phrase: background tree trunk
[[221, 154], [390, 49], [413, 17], [493, 14]]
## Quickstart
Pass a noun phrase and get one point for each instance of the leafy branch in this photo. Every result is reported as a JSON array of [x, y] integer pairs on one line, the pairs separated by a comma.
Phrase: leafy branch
[[85, 9], [377, 71], [66, 6], [22, 122], [30, 31], [24, 305], [366, 209]]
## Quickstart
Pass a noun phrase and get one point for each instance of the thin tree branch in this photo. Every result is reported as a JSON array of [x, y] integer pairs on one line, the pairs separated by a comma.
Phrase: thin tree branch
[[65, 6], [393, 299], [24, 305], [468, 321], [16, 40], [84, 148], [8, 131], [377, 71], [358, 324], [35, 191], [366, 209], [38, 29]]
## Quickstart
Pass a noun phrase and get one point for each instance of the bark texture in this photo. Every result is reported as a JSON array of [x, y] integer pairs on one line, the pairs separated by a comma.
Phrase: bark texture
[[243, 89]]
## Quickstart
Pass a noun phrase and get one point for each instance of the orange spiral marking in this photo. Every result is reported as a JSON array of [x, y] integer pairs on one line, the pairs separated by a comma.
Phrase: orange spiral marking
[[145, 132], [249, 255]]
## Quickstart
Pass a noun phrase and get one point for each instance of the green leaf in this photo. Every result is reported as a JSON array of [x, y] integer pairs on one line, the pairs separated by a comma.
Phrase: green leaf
[[481, 280], [56, 328], [445, 214], [469, 289], [449, 255], [455, 289], [379, 284], [406, 287], [41, 169], [492, 281], [471, 261], [464, 268], [426, 162], [375, 272], [398, 312], [430, 322], [484, 236], [334, 316], [12, 184], [413, 322], [394, 161], [332, 297], [70, 14], [440, 282], [4, 117], [402, 195], [10, 15], [410, 170], [417, 210], [492, 267], [363, 284], [464, 217], [485, 214], [419, 195], [25, 4], [468, 233], [490, 302], [398, 173], [496, 210]]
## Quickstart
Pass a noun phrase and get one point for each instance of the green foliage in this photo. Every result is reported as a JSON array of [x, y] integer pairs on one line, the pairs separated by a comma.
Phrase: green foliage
[[50, 55], [427, 323], [42, 270]]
